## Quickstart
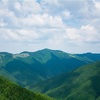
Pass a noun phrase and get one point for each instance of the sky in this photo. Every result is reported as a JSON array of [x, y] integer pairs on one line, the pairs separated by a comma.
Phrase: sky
[[72, 26]]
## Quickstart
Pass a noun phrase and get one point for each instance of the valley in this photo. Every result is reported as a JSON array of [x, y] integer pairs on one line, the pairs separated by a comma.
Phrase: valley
[[60, 75]]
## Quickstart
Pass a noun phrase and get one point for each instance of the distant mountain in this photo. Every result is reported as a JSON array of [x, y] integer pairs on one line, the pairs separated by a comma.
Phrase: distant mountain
[[89, 56], [80, 84], [11, 91], [28, 68]]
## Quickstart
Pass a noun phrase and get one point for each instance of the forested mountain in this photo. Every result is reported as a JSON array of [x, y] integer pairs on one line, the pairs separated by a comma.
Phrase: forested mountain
[[11, 91], [80, 84], [31, 67]]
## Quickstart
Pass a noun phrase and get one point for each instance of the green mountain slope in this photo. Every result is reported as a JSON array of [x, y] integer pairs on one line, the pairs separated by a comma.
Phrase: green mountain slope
[[87, 56], [4, 59], [11, 91], [80, 84], [31, 67]]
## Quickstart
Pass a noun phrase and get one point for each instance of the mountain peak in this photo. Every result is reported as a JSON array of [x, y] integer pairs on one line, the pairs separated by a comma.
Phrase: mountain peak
[[45, 49], [24, 52]]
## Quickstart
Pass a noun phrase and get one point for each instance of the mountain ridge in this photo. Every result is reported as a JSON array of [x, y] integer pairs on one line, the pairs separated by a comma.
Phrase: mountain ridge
[[33, 67], [47, 49], [80, 84]]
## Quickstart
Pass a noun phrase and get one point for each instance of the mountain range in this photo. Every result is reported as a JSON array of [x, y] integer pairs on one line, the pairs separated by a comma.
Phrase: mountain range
[[80, 84], [58, 74]]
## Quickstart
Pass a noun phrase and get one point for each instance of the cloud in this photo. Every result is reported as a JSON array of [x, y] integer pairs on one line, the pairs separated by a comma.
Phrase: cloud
[[30, 6], [40, 21], [86, 33], [97, 4], [50, 23], [66, 15], [17, 6]]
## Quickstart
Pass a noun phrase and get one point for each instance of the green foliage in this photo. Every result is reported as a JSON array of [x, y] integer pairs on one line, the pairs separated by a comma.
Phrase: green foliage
[[30, 68], [11, 91], [81, 84]]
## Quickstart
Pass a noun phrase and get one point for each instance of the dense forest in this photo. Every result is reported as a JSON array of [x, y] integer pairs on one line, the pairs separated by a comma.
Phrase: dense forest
[[49, 74]]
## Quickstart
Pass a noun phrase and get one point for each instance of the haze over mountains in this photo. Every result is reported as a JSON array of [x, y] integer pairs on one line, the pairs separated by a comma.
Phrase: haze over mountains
[[54, 72]]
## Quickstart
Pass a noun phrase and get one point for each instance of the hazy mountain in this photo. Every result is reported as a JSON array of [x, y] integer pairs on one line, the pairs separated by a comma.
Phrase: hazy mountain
[[80, 84], [31, 67], [11, 91]]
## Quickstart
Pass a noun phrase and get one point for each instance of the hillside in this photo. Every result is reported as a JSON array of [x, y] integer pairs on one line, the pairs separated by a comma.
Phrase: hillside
[[80, 84], [11, 91], [32, 67]]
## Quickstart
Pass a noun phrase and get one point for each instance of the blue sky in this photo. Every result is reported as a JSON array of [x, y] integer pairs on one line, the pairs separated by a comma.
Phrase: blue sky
[[69, 25]]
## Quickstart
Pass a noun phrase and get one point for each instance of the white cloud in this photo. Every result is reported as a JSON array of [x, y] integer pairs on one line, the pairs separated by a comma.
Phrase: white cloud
[[66, 14], [50, 23], [97, 4], [40, 21], [17, 6], [31, 6], [86, 33], [72, 34]]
